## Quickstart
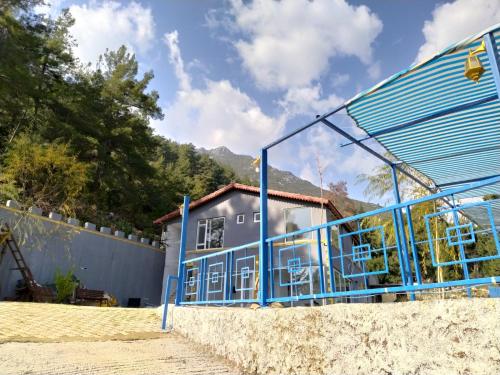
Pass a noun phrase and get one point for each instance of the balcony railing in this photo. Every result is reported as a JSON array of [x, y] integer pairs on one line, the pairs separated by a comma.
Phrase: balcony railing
[[443, 240]]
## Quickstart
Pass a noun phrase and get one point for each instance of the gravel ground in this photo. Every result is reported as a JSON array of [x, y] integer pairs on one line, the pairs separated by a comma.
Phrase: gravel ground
[[49, 339], [169, 355]]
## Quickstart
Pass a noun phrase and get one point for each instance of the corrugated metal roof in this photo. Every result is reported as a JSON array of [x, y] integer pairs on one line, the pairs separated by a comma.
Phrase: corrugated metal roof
[[434, 119]]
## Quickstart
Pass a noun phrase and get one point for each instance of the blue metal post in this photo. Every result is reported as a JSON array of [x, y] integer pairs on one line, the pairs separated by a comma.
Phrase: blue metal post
[[263, 276], [330, 258], [400, 232], [230, 280], [398, 246], [461, 247], [204, 280], [182, 251], [271, 268], [226, 278], [413, 246], [491, 49], [322, 287], [200, 283], [363, 265], [170, 278]]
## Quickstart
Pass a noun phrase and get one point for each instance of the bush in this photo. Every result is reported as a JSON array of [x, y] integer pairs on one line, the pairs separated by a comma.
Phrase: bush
[[65, 286]]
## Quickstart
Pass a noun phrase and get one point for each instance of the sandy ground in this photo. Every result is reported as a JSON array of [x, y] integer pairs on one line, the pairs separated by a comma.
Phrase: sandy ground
[[57, 339]]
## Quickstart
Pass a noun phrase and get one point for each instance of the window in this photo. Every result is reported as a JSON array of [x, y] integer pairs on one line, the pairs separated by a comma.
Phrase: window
[[240, 219], [298, 218], [210, 233], [256, 217]]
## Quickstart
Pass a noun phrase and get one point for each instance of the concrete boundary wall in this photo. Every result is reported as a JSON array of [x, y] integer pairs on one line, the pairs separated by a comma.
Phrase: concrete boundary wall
[[100, 260], [431, 337]]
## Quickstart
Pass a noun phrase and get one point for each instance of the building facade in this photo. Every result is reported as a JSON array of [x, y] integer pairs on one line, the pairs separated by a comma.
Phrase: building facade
[[230, 217]]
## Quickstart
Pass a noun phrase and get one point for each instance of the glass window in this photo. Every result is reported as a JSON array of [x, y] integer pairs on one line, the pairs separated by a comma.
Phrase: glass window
[[335, 236], [202, 232], [298, 218], [210, 233], [240, 219], [256, 217]]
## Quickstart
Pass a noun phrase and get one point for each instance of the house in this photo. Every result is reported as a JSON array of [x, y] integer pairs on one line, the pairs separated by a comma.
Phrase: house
[[230, 217]]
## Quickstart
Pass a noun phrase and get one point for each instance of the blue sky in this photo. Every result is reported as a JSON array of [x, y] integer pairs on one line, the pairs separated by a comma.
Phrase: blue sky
[[241, 74]]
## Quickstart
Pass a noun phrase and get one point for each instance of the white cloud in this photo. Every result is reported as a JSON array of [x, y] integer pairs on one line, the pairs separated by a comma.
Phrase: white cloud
[[288, 44], [218, 114], [335, 162], [172, 41], [340, 79], [308, 101], [359, 162], [456, 20], [375, 70], [110, 24]]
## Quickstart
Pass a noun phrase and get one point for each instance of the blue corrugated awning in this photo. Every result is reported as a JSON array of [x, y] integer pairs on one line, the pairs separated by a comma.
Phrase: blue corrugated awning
[[435, 120]]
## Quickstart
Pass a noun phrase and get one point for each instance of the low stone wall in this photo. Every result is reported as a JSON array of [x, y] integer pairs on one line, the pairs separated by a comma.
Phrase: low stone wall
[[428, 337]]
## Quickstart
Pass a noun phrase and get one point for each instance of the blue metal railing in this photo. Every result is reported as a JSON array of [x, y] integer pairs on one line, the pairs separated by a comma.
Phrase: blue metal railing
[[339, 259]]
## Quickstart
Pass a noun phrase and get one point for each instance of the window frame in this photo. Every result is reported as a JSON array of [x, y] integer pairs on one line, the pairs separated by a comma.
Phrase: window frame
[[238, 219], [254, 215], [207, 223]]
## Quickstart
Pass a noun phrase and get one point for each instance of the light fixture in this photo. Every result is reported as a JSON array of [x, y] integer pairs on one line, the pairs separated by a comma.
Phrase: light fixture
[[256, 164], [473, 67]]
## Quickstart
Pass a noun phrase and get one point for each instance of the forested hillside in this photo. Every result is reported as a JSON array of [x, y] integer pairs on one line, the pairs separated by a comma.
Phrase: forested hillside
[[76, 139], [287, 181]]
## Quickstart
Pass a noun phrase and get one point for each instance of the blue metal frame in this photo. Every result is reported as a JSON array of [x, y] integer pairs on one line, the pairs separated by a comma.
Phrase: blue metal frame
[[249, 276], [229, 276], [182, 250], [244, 274], [343, 272], [263, 256], [399, 229], [168, 286], [330, 258], [463, 260], [322, 286], [413, 244], [191, 281], [297, 265], [459, 236], [215, 276], [362, 252], [399, 211]]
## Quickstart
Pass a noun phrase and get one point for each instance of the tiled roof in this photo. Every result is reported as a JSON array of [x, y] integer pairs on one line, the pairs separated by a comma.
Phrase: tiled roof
[[252, 189]]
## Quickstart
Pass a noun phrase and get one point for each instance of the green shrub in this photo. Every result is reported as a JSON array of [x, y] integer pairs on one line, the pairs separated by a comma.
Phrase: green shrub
[[65, 286]]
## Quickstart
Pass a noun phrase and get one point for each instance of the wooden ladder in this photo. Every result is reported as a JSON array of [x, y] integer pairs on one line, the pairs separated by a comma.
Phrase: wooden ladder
[[7, 241], [36, 292]]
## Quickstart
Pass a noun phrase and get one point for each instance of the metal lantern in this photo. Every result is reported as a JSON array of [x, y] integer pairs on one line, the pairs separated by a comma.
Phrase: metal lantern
[[473, 67]]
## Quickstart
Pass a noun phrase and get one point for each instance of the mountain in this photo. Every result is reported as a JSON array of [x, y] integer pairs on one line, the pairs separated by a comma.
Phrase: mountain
[[280, 180]]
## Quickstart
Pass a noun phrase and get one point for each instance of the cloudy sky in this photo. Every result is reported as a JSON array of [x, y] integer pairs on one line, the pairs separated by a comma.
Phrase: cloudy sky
[[241, 74]]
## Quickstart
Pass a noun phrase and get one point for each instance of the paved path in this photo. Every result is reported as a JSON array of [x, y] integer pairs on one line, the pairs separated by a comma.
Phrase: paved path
[[56, 339]]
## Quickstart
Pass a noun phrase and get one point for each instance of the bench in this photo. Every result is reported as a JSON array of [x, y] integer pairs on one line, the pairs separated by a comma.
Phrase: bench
[[83, 294], [42, 294]]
